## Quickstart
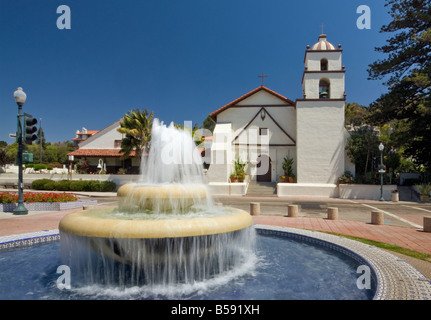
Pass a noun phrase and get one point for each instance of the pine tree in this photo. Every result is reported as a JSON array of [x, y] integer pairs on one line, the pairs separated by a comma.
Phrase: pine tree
[[407, 70]]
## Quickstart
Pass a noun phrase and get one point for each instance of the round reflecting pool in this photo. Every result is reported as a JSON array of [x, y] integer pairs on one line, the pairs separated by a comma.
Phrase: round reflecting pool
[[282, 268]]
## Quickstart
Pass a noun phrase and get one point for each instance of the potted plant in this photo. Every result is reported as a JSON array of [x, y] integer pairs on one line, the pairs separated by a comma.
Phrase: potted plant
[[282, 178], [288, 169], [241, 176], [233, 177], [346, 178], [395, 195], [121, 171], [240, 170], [424, 190]]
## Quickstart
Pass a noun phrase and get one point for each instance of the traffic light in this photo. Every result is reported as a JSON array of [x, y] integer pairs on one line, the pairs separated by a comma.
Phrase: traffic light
[[375, 163], [30, 128]]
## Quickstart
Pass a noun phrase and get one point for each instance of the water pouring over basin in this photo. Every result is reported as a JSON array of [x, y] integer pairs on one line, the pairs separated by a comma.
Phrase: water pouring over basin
[[166, 228]]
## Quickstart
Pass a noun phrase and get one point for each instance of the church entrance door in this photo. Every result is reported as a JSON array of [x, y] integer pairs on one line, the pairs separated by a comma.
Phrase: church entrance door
[[263, 169]]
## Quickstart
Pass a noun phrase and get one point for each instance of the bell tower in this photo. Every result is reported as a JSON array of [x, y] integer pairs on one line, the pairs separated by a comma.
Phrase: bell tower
[[320, 115], [324, 73]]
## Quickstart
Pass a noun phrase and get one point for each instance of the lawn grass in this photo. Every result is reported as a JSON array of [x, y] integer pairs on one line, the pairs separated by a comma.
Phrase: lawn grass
[[389, 247]]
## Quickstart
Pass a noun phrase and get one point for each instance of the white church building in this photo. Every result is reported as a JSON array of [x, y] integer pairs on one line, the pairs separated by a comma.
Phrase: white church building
[[262, 127]]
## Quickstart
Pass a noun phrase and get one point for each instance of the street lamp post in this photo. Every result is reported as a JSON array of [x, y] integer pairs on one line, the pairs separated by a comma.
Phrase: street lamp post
[[100, 167], [20, 98], [71, 158], [381, 171]]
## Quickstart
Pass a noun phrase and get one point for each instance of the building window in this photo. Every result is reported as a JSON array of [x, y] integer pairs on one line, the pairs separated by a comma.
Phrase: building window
[[117, 143], [263, 131], [324, 64], [324, 87]]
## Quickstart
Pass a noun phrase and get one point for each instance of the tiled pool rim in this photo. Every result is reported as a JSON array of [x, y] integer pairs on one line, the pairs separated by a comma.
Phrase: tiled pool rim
[[395, 278]]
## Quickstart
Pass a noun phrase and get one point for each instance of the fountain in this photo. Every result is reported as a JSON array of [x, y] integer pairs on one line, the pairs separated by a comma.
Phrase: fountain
[[166, 229]]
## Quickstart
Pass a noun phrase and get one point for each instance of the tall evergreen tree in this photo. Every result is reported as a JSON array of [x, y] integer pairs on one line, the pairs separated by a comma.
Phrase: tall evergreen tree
[[407, 70]]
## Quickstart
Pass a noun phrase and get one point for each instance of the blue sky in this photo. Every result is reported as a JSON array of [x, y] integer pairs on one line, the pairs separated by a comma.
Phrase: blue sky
[[182, 59]]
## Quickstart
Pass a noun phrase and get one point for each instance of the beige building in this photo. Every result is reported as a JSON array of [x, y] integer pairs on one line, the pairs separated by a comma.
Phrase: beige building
[[104, 147]]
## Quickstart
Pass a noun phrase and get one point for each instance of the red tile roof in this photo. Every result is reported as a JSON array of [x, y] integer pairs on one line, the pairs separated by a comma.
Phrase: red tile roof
[[89, 132], [98, 153], [215, 113]]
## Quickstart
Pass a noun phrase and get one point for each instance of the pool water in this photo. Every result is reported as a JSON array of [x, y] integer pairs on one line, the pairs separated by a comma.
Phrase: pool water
[[281, 269]]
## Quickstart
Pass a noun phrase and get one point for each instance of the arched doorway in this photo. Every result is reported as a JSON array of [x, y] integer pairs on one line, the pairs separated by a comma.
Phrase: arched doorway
[[263, 172]]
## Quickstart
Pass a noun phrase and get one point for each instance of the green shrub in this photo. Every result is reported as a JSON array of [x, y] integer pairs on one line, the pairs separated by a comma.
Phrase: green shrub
[[50, 185], [77, 185], [108, 186], [93, 185], [39, 166], [39, 184], [29, 165], [62, 185]]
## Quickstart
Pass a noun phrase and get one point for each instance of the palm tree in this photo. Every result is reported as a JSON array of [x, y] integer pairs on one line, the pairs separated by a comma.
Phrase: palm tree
[[136, 125]]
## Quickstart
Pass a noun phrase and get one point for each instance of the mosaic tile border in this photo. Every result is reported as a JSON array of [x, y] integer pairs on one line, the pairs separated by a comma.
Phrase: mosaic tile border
[[28, 239], [396, 279], [48, 206]]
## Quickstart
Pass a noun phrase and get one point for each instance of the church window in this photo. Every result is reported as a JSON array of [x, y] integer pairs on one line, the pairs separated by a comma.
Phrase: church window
[[324, 92], [263, 131], [324, 64]]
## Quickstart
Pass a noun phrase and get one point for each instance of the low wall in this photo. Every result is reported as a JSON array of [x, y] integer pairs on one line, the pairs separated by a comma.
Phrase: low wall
[[362, 191], [343, 191], [228, 189], [307, 190], [48, 206]]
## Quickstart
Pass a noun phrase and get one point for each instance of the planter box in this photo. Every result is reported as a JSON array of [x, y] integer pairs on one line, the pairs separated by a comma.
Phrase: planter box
[[48, 206], [365, 191], [228, 189], [307, 189], [395, 197], [425, 198]]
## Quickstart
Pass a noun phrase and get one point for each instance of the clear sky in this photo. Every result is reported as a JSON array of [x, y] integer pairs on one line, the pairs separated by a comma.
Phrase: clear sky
[[182, 59]]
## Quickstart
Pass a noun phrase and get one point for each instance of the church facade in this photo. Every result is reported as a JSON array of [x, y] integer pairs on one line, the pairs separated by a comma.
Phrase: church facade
[[262, 127]]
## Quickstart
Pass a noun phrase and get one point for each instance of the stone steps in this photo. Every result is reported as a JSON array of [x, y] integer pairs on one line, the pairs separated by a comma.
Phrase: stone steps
[[262, 189]]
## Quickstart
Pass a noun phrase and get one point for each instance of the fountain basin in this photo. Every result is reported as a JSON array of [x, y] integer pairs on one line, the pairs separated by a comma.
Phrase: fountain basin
[[161, 198], [172, 248], [90, 224]]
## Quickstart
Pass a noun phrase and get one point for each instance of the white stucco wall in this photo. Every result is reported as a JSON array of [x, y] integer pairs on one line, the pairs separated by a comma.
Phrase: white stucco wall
[[320, 141], [336, 85], [221, 153], [369, 192], [249, 145], [313, 60]]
